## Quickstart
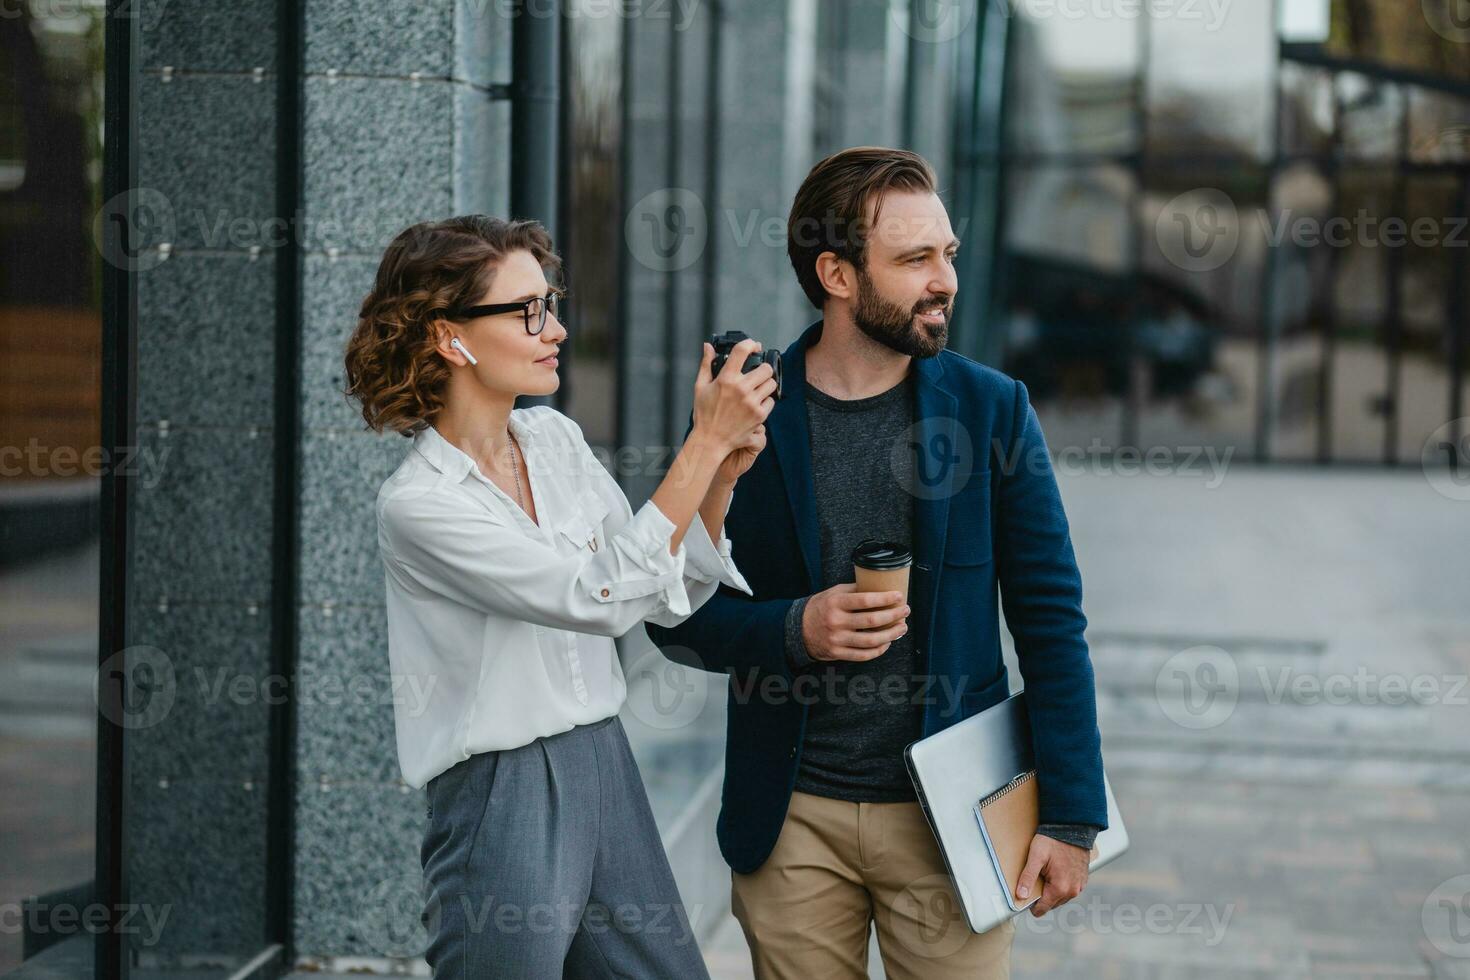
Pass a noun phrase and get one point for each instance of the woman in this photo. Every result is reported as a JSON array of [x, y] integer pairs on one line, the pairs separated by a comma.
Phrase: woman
[[512, 559]]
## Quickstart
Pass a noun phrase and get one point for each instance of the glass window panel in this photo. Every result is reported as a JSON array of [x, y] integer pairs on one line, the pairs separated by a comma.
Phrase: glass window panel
[[859, 75], [1420, 35], [931, 104], [1064, 296], [1071, 214], [1301, 197], [1304, 21], [1433, 251], [1439, 127], [594, 93], [1202, 251], [1371, 117], [1359, 368], [50, 477], [1072, 83], [1306, 109], [1210, 76]]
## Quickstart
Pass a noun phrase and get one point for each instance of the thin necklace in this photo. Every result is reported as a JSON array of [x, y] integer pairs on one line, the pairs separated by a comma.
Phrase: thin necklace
[[510, 448]]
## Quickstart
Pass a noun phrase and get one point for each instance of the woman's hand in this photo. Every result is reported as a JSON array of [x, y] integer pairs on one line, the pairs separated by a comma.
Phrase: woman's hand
[[728, 433], [729, 407], [741, 457]]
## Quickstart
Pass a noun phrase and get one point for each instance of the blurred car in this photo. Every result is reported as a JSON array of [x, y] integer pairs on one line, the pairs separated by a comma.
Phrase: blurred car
[[1071, 321]]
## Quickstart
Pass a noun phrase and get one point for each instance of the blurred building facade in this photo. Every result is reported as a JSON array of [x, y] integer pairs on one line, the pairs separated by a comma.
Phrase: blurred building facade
[[1136, 196]]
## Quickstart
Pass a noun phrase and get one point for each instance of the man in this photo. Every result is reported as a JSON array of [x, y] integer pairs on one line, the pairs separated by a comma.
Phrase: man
[[883, 433]]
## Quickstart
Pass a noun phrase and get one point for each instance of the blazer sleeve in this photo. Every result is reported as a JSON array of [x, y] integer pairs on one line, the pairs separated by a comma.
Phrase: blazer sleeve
[[1041, 593], [733, 633]]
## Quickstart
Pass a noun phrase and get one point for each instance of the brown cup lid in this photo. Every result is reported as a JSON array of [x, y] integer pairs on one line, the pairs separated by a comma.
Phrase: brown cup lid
[[881, 555]]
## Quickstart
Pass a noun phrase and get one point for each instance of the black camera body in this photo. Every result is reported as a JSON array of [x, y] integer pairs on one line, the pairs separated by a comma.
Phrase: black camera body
[[724, 343]]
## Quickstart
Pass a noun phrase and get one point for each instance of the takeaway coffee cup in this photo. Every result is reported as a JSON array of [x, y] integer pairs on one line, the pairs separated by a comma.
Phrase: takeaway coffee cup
[[882, 566]]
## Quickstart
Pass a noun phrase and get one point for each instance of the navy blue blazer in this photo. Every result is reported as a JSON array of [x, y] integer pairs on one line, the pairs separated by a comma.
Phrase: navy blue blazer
[[987, 511]]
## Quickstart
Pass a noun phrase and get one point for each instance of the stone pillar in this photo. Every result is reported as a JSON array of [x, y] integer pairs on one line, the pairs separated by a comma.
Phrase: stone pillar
[[400, 125], [200, 568]]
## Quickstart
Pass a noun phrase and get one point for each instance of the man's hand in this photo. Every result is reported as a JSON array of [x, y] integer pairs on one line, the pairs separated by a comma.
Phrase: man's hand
[[834, 623], [1062, 872], [741, 457]]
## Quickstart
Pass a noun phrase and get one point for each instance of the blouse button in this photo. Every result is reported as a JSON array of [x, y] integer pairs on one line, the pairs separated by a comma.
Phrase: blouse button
[[604, 593]]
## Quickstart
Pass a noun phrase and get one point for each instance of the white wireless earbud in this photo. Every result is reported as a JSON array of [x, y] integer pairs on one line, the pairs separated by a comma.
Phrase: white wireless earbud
[[455, 343]]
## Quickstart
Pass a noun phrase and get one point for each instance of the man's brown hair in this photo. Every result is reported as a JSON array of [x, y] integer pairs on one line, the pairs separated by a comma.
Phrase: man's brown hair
[[392, 365], [827, 214]]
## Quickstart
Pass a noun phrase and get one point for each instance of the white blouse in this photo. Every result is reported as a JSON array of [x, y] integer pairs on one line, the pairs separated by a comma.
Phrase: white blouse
[[501, 630]]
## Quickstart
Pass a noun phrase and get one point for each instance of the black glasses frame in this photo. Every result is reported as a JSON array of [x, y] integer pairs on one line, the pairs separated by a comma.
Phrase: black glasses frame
[[543, 305]]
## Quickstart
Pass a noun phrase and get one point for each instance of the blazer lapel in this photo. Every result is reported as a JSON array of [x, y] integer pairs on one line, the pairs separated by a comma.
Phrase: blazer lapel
[[934, 450], [940, 452], [786, 428]]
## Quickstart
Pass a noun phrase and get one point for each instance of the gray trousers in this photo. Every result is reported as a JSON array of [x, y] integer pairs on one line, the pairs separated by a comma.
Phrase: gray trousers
[[543, 863]]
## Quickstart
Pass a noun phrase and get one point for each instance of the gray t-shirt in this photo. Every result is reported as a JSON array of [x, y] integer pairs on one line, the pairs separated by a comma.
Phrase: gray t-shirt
[[863, 714]]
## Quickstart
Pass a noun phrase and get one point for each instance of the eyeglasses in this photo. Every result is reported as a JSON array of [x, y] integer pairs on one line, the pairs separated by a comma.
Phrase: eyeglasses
[[533, 310]]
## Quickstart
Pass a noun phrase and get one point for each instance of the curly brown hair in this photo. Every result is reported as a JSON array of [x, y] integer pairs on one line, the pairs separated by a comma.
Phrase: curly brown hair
[[827, 212], [393, 368]]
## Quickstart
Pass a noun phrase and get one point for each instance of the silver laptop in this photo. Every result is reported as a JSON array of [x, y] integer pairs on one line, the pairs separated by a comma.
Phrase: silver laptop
[[953, 770]]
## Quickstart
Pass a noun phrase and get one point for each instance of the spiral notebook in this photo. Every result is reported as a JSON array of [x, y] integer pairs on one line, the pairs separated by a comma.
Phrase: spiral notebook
[[1008, 820], [976, 782]]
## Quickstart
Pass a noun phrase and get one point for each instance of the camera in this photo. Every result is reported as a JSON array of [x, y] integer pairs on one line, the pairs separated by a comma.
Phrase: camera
[[724, 343]]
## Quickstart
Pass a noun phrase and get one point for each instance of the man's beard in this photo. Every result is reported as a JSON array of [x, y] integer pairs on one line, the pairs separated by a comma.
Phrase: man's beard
[[898, 328]]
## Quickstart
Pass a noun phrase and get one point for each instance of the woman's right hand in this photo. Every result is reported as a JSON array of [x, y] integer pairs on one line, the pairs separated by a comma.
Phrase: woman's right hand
[[730, 405]]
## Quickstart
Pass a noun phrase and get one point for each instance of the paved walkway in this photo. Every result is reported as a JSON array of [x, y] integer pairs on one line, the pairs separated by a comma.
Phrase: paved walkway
[[1281, 662]]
